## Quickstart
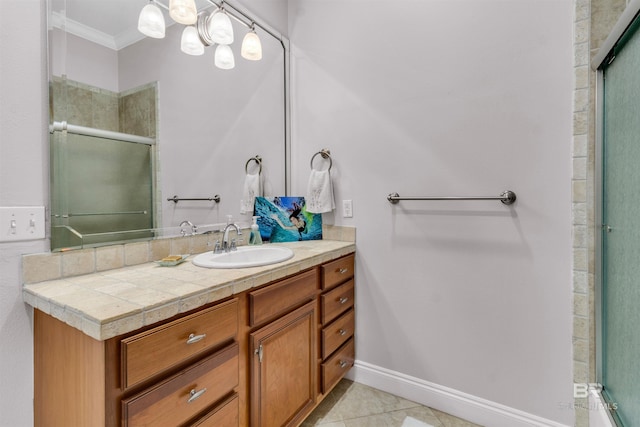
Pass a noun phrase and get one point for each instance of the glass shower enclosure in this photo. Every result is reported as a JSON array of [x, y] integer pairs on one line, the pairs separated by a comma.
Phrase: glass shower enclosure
[[620, 240], [101, 189]]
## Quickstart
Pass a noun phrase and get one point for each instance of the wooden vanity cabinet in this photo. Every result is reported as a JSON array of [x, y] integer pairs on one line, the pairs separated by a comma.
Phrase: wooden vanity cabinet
[[157, 376], [265, 357]]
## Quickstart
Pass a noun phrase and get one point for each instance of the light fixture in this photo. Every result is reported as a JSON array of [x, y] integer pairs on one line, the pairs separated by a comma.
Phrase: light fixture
[[183, 11], [202, 29], [224, 57], [151, 21], [220, 28], [251, 46], [190, 42]]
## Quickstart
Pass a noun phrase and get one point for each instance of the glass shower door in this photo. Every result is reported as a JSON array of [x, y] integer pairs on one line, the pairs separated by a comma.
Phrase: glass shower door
[[621, 231]]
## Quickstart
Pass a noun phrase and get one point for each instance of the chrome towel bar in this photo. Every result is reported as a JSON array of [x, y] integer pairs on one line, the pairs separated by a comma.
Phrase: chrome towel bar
[[507, 197], [69, 215], [176, 199]]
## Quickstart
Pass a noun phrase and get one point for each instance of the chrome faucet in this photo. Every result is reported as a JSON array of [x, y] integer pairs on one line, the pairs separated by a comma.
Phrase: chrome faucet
[[194, 228], [226, 246]]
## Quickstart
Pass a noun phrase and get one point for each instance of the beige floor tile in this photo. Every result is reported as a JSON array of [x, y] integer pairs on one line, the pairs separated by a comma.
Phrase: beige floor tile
[[451, 421], [356, 405]]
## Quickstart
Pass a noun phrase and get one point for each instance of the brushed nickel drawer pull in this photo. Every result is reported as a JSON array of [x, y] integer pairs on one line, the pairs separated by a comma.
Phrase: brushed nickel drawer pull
[[343, 364], [343, 300], [342, 332], [343, 270], [260, 352], [194, 395], [193, 338]]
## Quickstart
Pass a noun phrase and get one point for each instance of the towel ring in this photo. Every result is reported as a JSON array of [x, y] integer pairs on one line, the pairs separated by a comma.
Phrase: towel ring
[[256, 159], [326, 154]]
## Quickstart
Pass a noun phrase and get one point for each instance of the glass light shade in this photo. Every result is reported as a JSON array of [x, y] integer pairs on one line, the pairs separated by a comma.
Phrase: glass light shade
[[224, 57], [251, 47], [190, 42], [183, 11], [151, 21], [220, 28]]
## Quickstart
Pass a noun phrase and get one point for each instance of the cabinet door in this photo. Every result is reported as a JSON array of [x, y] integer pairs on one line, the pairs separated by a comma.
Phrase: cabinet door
[[283, 369]]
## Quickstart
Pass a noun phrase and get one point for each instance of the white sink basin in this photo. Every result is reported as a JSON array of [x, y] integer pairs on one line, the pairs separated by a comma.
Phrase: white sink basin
[[245, 256]]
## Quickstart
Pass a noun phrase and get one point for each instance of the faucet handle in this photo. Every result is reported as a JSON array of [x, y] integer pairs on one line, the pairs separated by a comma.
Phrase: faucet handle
[[234, 246], [217, 248]]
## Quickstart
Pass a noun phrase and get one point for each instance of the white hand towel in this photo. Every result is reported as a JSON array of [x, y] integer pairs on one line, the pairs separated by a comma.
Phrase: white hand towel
[[320, 192], [252, 189]]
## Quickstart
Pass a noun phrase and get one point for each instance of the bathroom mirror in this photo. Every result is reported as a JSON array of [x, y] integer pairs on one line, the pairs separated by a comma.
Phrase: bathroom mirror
[[176, 125]]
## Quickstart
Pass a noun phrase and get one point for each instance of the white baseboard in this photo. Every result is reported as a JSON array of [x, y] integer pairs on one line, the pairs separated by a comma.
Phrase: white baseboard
[[468, 407]]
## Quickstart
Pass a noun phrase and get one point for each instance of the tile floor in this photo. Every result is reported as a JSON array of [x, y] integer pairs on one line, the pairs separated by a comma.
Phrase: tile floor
[[352, 404]]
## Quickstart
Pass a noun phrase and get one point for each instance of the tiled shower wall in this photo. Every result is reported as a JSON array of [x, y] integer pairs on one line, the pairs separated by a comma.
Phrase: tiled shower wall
[[594, 19], [132, 111]]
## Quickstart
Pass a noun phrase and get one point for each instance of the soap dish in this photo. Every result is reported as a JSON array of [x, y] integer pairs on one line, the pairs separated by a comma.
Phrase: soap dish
[[172, 260]]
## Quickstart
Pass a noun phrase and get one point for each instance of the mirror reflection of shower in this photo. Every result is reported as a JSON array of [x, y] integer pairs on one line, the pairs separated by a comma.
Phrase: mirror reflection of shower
[[206, 121], [101, 165]]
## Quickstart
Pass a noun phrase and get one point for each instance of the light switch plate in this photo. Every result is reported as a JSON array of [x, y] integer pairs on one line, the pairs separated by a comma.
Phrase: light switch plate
[[347, 209], [21, 223]]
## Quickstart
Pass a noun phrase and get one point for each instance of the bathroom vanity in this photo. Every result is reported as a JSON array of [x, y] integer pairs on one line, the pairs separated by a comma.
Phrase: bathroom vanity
[[253, 347]]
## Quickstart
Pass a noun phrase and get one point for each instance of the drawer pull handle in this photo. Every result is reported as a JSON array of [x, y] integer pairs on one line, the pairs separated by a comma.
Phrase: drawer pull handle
[[193, 338], [343, 270], [194, 395], [343, 300], [343, 364], [342, 332]]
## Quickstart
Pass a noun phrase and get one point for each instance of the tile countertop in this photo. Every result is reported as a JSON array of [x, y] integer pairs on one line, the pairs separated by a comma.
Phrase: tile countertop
[[104, 305]]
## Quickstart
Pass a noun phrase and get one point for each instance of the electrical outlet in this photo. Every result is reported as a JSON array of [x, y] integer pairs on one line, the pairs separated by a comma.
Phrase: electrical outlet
[[347, 209], [21, 223]]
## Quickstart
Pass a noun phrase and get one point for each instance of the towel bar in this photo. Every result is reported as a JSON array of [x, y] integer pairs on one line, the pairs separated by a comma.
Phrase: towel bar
[[176, 199], [506, 197], [69, 215]]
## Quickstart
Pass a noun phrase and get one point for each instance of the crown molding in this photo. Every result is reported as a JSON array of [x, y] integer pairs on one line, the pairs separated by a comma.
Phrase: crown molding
[[86, 32]]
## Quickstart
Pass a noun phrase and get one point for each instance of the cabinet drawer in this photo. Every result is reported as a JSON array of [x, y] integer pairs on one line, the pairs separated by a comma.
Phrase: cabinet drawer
[[336, 272], [153, 351], [336, 301], [226, 414], [334, 335], [271, 301], [338, 365], [186, 394]]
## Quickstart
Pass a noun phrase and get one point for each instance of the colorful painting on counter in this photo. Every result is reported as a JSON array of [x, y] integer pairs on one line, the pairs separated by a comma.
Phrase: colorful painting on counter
[[285, 219]]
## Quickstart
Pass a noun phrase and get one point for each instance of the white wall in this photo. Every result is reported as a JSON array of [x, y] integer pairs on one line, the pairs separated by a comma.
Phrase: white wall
[[23, 182], [271, 12], [83, 61], [464, 97]]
